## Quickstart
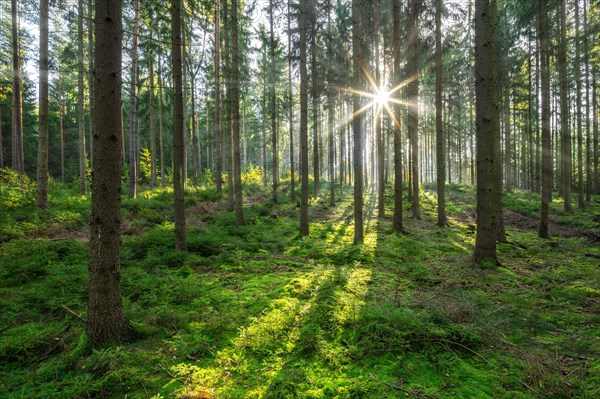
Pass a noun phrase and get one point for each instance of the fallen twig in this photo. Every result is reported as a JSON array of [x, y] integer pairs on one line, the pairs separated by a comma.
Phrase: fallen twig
[[73, 313], [171, 374]]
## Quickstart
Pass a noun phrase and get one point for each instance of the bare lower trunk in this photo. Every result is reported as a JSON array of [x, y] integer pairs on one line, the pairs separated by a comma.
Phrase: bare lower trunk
[[439, 129], [132, 104], [304, 230], [41, 201], [80, 101], [357, 122], [546, 143]]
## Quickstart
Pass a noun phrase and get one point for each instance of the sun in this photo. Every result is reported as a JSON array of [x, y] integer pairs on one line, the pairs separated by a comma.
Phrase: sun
[[381, 97]]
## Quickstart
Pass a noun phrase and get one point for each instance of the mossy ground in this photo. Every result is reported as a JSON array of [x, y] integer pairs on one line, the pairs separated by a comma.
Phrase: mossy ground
[[260, 312]]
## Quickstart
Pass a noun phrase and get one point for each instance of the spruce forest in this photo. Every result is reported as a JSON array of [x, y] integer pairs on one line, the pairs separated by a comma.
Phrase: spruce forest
[[299, 199]]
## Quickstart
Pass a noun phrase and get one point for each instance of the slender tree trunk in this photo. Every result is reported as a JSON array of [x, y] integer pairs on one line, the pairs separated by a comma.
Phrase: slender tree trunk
[[546, 135], [507, 138], [41, 201], [1, 141], [588, 140], [595, 128], [412, 89], [580, 194], [235, 115], [304, 230], [330, 107], [378, 121], [132, 103], [17, 87], [218, 151], [80, 101], [357, 122], [272, 80], [90, 23], [566, 169], [106, 321], [161, 133], [152, 121], [291, 107], [397, 221], [195, 149], [439, 129], [315, 96], [61, 131], [488, 129], [178, 121]]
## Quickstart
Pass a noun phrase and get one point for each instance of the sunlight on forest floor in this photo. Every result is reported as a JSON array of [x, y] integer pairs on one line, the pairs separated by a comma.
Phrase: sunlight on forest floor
[[260, 312]]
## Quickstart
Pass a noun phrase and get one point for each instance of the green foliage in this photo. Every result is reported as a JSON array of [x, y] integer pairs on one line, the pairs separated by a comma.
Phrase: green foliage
[[257, 311]]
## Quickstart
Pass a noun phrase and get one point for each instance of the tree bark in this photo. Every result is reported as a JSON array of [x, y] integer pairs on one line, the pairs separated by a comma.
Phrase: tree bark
[[330, 107], [235, 115], [315, 96], [304, 230], [577, 77], [488, 129], [566, 162], [106, 321], [412, 91], [439, 128], [178, 121], [90, 44], [41, 201], [80, 101], [161, 133], [152, 121], [291, 107], [132, 103], [397, 221], [18, 163], [218, 151], [357, 121], [273, 106]]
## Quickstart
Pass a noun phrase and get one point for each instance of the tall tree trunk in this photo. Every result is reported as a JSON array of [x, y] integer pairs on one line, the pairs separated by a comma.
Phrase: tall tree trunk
[[235, 115], [488, 129], [132, 102], [397, 221], [1, 142], [547, 168], [161, 133], [412, 89], [439, 129], [272, 82], [152, 121], [106, 321], [90, 43], [330, 107], [61, 131], [357, 122], [178, 121], [577, 77], [218, 151], [315, 96], [80, 101], [41, 201], [595, 128], [303, 121], [507, 139], [17, 87], [378, 121], [588, 139], [291, 107], [566, 169]]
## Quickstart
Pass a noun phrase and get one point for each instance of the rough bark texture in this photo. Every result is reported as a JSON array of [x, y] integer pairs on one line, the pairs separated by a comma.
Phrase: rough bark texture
[[577, 77], [41, 200], [303, 121], [161, 133], [90, 43], [18, 163], [178, 120], [272, 79], [439, 129], [488, 129], [566, 168], [291, 108], [546, 139], [235, 115], [152, 122], [397, 221], [412, 91], [106, 321], [378, 121], [218, 151], [132, 103], [315, 96], [330, 107], [80, 100], [357, 121]]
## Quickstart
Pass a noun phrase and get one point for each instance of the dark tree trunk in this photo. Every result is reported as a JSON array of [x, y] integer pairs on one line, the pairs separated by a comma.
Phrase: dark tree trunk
[[397, 221], [303, 121], [106, 320], [17, 86], [412, 91], [291, 107], [235, 116], [178, 121], [357, 122], [80, 101], [152, 121], [577, 69], [273, 106], [315, 96], [566, 169], [488, 129], [90, 43], [439, 129], [41, 201], [132, 103], [330, 108], [218, 151]]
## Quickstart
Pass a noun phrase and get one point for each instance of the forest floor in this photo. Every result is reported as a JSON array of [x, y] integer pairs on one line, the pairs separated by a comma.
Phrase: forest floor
[[260, 312]]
